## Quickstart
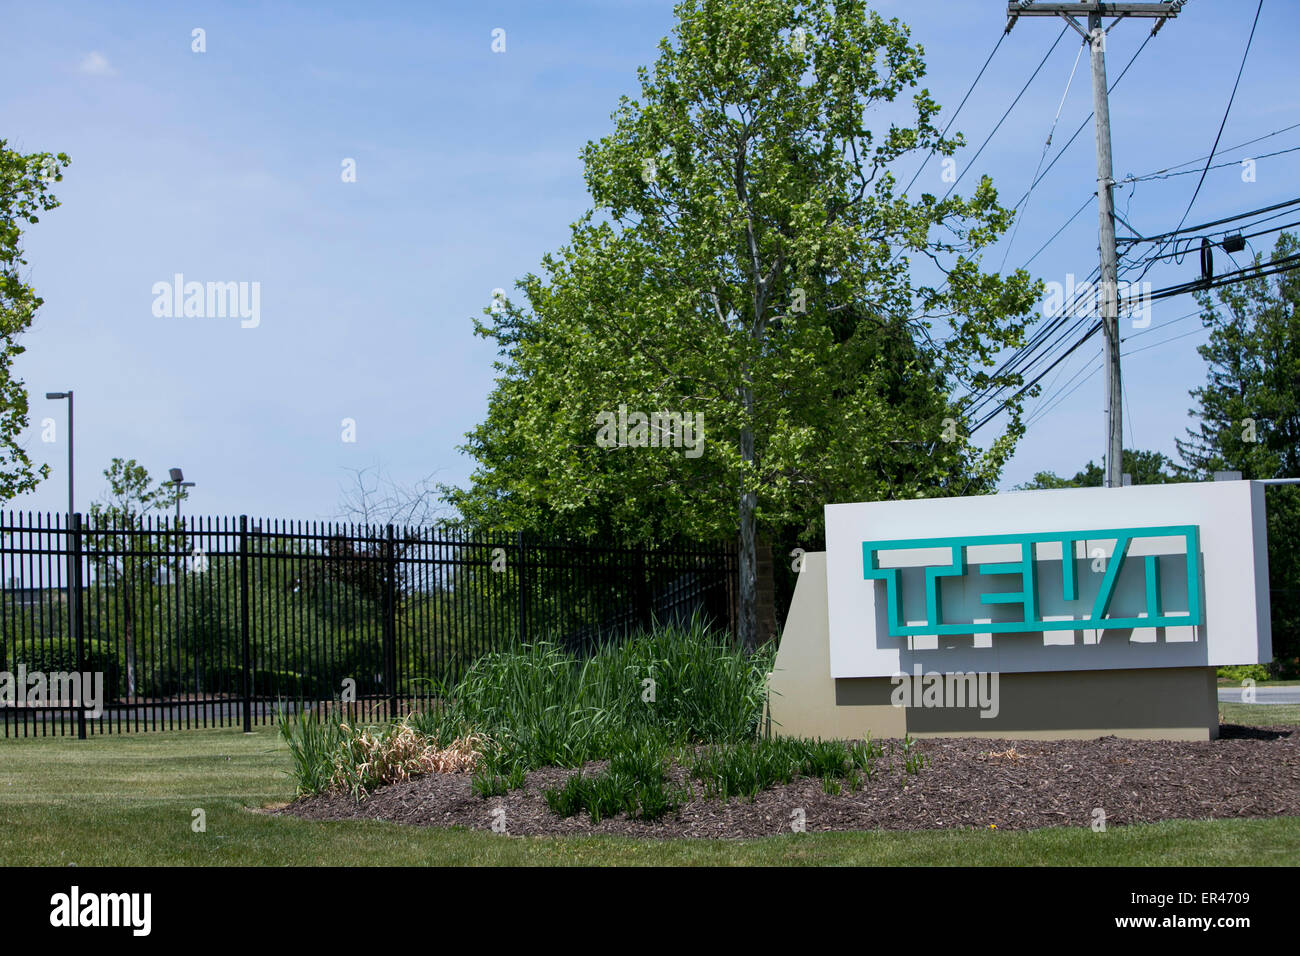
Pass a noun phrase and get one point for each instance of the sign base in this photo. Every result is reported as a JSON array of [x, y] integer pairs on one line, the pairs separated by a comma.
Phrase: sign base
[[1173, 703]]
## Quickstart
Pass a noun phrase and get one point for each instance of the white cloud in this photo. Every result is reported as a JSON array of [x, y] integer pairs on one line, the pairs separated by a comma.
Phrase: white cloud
[[96, 64]]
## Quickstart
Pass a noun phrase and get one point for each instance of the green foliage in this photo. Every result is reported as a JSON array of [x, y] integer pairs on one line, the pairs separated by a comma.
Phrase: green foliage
[[1145, 468], [55, 655], [636, 782], [752, 278], [313, 741], [1284, 579], [914, 759], [1248, 415], [1248, 411], [542, 706], [129, 553], [24, 193], [744, 768], [1241, 672]]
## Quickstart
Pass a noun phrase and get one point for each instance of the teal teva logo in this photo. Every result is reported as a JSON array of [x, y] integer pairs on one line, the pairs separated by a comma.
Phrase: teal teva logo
[[1027, 569]]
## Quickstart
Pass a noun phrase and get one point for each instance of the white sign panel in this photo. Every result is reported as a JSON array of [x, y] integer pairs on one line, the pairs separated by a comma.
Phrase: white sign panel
[[1071, 579]]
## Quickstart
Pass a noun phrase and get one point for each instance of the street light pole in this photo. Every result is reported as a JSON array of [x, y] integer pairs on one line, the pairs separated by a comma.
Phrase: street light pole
[[178, 479], [74, 566], [68, 395]]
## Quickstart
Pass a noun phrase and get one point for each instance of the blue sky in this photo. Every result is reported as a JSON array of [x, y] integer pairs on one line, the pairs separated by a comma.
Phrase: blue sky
[[225, 166]]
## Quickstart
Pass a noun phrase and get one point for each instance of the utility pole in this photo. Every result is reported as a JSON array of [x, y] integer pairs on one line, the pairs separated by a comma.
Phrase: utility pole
[[1095, 37]]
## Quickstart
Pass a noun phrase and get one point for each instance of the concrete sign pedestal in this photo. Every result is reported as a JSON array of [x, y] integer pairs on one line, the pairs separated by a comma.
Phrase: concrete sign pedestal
[[989, 616]]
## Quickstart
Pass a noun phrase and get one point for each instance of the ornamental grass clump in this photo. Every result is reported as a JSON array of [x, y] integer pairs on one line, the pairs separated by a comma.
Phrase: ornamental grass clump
[[330, 755], [635, 782], [367, 759]]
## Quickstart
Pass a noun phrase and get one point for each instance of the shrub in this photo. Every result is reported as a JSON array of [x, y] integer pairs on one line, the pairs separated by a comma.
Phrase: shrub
[[366, 759], [52, 655], [545, 707], [1241, 672], [674, 694], [330, 755], [312, 740], [636, 782], [743, 769]]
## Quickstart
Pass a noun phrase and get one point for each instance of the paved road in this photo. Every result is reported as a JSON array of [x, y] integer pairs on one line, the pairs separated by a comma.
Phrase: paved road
[[1263, 695]]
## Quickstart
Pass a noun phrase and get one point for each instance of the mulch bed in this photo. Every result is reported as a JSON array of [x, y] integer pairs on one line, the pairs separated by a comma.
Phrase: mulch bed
[[969, 782]]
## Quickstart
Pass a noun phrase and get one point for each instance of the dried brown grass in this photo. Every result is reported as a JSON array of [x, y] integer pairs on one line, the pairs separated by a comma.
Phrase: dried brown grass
[[372, 759]]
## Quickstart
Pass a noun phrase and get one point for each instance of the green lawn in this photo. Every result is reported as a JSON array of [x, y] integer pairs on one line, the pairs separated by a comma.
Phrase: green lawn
[[128, 800], [1260, 715]]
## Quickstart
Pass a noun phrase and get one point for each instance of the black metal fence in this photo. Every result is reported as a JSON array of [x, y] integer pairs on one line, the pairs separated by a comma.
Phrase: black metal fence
[[219, 621]]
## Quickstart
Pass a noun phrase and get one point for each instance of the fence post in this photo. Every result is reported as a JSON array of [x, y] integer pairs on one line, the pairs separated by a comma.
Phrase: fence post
[[522, 633], [390, 621], [641, 583], [243, 623], [74, 613]]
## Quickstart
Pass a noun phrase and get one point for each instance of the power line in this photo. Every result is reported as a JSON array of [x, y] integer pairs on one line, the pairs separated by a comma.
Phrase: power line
[[1224, 122], [1024, 204], [1039, 414], [1095, 34], [1226, 112], [1249, 142], [974, 403], [953, 118], [1167, 174], [1030, 384], [1177, 253], [1086, 203], [971, 162], [1087, 119], [1172, 338], [1274, 267], [1050, 402], [1036, 343], [1042, 333], [1163, 325], [1208, 225]]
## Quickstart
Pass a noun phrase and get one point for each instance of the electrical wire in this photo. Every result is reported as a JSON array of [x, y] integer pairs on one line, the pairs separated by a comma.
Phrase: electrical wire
[[953, 118], [1224, 122], [1202, 227], [971, 162], [1039, 178], [1249, 142], [1110, 88], [1020, 209], [1275, 267], [1165, 174]]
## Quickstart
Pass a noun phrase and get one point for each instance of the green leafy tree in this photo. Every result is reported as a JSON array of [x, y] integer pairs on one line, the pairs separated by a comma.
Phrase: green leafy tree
[[749, 260], [1248, 419], [24, 193], [1248, 412], [129, 552], [1144, 467]]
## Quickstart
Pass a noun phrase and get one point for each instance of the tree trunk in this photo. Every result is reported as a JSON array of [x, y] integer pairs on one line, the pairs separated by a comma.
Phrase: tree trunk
[[747, 590], [130, 647]]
